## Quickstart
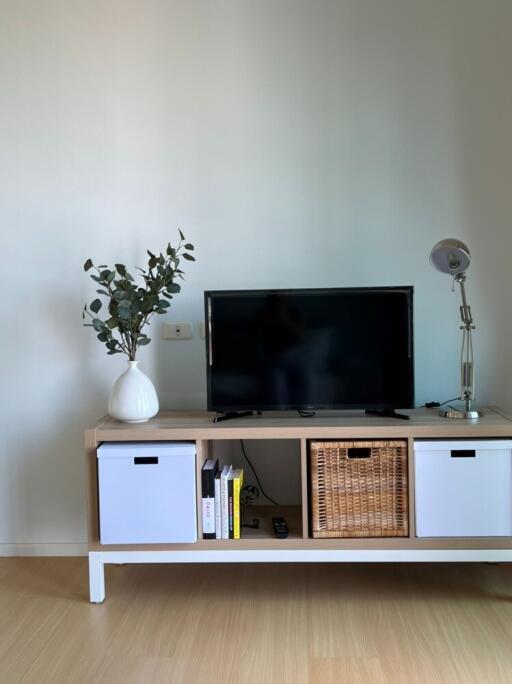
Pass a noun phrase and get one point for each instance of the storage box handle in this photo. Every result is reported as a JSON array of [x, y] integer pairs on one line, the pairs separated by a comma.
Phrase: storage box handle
[[463, 453], [145, 460], [359, 452]]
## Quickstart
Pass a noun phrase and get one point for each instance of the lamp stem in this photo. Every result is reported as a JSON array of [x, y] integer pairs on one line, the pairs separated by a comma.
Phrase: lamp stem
[[467, 374], [465, 309]]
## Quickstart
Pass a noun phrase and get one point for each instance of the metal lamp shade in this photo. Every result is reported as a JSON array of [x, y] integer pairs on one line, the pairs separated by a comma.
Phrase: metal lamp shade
[[450, 256]]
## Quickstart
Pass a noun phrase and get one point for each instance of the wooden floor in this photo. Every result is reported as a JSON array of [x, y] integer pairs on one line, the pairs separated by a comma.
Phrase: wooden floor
[[265, 623]]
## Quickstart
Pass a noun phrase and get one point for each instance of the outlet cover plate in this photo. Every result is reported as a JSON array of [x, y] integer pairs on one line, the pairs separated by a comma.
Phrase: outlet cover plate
[[177, 331]]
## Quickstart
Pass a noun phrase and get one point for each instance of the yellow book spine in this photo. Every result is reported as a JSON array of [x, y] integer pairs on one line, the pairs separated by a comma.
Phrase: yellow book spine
[[236, 505]]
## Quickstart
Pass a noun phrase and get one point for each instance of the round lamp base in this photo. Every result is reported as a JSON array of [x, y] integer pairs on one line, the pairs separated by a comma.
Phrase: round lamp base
[[461, 414]]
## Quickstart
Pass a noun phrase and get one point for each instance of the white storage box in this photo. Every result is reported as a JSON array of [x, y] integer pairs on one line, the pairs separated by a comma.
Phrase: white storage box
[[463, 488], [147, 492]]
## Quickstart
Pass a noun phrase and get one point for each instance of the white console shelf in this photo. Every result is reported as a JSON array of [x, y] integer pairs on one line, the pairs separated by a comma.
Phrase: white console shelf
[[260, 546]]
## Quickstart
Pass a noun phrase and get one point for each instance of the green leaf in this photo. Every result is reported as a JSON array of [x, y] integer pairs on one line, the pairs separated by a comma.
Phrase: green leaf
[[173, 288], [152, 262], [88, 264], [181, 234], [103, 292], [121, 269], [97, 324], [96, 278], [102, 337], [189, 246], [104, 274], [123, 313], [163, 304], [111, 276], [188, 257], [112, 323], [95, 306], [142, 341]]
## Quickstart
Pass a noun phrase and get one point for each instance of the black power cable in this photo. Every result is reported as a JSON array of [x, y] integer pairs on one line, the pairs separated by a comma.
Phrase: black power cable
[[256, 475], [436, 404], [449, 400]]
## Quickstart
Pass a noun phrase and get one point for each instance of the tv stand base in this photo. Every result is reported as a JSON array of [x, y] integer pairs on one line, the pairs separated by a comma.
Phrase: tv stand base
[[387, 413], [98, 559], [234, 414]]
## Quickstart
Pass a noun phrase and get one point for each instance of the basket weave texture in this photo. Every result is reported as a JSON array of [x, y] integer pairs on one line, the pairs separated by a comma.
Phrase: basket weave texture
[[359, 496]]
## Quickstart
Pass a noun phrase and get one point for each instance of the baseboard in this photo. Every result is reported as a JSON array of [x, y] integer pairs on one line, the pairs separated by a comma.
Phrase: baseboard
[[51, 549]]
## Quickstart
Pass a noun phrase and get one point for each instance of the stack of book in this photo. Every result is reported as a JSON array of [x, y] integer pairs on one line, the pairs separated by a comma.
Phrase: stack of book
[[221, 500]]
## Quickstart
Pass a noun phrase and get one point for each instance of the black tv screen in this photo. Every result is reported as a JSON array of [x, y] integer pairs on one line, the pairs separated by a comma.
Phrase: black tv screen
[[310, 349]]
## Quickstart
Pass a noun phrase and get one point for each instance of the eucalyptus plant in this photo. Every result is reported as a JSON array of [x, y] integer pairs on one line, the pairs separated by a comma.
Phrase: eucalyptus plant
[[128, 306]]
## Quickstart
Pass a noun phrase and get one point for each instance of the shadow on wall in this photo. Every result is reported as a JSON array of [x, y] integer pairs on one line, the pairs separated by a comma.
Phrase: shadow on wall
[[178, 367], [46, 497], [483, 156]]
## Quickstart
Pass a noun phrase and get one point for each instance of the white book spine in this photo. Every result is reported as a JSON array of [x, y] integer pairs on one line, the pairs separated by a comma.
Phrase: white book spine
[[224, 512], [218, 529], [208, 515]]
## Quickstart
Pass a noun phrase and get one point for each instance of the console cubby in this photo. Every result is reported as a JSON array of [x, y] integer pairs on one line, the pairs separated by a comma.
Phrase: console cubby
[[277, 463]]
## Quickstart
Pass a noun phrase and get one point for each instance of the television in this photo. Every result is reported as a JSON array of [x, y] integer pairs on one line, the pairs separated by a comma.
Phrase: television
[[309, 349]]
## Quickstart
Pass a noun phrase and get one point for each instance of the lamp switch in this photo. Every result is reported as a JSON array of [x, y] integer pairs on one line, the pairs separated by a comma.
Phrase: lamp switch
[[177, 331]]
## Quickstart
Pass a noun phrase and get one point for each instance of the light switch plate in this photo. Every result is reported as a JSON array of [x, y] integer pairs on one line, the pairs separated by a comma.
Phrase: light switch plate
[[177, 331]]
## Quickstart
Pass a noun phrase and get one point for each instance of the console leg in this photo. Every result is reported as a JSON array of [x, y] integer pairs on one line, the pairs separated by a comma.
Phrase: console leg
[[96, 577]]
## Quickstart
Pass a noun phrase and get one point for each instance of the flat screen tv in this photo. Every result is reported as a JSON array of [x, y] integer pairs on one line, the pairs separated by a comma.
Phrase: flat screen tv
[[343, 348]]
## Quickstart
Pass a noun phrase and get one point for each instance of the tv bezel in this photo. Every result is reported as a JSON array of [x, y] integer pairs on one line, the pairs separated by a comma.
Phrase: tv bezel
[[408, 290]]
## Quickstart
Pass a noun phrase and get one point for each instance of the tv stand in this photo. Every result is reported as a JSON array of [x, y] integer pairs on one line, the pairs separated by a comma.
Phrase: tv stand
[[386, 413], [261, 545], [229, 415]]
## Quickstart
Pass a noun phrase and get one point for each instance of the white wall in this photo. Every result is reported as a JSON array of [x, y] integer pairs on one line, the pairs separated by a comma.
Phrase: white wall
[[296, 144]]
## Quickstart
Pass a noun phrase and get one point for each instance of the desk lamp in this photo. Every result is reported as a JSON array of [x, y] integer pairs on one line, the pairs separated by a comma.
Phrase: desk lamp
[[453, 257]]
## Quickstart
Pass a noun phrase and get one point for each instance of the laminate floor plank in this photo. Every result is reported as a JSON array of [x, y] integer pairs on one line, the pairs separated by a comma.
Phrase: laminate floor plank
[[349, 670], [256, 624]]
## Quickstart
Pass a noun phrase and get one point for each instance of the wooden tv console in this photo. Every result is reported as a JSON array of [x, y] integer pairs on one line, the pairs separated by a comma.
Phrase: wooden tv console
[[260, 545]]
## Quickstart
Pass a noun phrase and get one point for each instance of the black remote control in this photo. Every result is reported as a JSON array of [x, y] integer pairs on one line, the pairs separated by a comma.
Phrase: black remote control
[[280, 527]]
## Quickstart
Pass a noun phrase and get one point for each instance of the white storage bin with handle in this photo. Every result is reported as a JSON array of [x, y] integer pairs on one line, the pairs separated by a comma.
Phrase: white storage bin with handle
[[463, 488], [147, 492]]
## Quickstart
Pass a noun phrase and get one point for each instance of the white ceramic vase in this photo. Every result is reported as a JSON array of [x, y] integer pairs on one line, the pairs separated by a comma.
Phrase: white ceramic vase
[[133, 398]]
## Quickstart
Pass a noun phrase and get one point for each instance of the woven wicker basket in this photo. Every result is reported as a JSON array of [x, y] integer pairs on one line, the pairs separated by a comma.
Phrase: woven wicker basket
[[359, 489]]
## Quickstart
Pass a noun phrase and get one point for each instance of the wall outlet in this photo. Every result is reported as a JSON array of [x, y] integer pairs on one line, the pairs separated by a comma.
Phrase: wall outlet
[[177, 331]]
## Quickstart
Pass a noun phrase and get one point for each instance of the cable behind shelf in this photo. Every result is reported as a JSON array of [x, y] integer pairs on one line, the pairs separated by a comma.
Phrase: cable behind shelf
[[269, 498]]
